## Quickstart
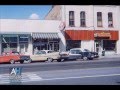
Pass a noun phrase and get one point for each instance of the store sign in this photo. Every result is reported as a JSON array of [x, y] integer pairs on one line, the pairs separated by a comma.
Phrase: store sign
[[62, 26], [102, 34], [23, 36]]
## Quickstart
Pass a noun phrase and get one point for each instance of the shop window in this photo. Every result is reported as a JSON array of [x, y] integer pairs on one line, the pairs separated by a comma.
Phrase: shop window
[[71, 18], [110, 19], [9, 43], [99, 19], [23, 38], [82, 19], [109, 45], [73, 44]]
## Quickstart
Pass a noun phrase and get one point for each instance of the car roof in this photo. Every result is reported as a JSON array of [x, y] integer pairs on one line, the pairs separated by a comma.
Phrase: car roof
[[78, 49], [46, 50]]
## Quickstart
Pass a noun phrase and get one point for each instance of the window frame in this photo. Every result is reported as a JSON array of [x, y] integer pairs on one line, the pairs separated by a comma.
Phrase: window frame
[[82, 19], [110, 19], [99, 19], [71, 18]]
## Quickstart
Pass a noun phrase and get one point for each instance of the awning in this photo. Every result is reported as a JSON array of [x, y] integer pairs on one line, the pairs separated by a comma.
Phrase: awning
[[45, 35]]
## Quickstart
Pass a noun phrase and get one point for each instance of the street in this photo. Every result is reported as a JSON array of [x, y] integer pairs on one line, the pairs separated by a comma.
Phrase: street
[[103, 71]]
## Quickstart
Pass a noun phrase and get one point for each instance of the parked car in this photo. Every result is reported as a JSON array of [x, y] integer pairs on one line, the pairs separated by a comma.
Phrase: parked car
[[45, 55], [96, 55], [12, 57], [76, 53]]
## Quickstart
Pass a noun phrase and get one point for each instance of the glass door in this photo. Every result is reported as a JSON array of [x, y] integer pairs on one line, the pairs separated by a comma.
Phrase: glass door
[[23, 48], [98, 45]]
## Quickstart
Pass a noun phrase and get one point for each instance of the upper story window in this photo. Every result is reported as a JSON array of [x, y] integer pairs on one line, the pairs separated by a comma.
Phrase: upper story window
[[99, 19], [71, 18], [82, 19], [110, 19]]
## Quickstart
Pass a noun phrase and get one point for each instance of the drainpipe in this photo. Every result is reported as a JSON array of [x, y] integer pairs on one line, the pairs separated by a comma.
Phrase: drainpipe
[[93, 27]]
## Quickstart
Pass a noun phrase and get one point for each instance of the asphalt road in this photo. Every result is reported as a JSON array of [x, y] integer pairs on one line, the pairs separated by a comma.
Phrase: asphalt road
[[92, 72], [92, 76], [46, 66]]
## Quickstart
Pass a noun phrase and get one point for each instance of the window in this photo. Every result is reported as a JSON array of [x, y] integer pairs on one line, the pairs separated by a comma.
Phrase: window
[[82, 19], [23, 38], [71, 18], [76, 44], [99, 19], [43, 52], [109, 45], [110, 19], [9, 43], [75, 51]]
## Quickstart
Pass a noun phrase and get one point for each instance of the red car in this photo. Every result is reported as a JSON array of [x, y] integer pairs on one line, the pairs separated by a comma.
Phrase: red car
[[12, 57]]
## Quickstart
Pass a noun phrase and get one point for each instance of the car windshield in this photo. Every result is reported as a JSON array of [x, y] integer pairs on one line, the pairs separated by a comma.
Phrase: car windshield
[[41, 52], [75, 51], [15, 53], [86, 50]]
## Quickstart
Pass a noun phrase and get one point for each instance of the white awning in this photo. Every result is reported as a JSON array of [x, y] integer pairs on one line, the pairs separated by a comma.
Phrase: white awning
[[45, 35]]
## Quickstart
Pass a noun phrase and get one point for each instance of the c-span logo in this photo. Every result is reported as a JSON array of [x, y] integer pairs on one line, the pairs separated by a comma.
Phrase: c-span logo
[[15, 71], [15, 75]]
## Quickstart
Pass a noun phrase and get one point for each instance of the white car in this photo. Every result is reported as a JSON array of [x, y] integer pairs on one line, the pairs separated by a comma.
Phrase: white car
[[45, 55]]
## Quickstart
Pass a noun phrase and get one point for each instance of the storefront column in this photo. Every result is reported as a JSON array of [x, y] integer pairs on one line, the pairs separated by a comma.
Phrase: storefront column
[[0, 45], [18, 45], [88, 45], [62, 43], [30, 46], [118, 47]]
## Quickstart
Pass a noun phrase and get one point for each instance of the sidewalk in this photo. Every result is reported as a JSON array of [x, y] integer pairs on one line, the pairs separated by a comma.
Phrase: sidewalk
[[110, 56]]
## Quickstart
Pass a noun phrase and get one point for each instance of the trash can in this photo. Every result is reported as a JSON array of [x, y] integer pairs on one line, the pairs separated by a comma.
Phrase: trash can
[[103, 53]]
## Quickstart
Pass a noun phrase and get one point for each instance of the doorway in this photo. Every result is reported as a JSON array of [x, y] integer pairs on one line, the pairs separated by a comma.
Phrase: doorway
[[98, 45], [23, 48]]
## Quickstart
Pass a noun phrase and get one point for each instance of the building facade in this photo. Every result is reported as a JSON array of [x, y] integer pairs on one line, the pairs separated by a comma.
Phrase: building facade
[[27, 36], [95, 27]]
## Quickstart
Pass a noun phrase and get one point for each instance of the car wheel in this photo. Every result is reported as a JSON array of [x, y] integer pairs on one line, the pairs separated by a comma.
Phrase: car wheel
[[21, 61], [91, 59], [12, 61], [59, 60], [85, 58], [50, 60], [29, 61]]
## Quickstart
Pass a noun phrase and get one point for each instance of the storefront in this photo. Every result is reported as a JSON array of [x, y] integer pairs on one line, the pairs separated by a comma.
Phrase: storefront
[[45, 41], [106, 40], [94, 40], [16, 41]]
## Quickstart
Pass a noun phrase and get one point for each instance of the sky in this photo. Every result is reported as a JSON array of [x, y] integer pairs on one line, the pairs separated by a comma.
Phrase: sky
[[24, 11]]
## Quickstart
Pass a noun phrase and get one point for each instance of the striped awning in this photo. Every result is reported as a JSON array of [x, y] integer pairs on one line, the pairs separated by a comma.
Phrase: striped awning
[[45, 35]]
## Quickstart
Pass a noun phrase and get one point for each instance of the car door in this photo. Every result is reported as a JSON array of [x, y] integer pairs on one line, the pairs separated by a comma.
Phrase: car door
[[44, 55], [2, 57], [53, 55], [36, 57], [75, 54]]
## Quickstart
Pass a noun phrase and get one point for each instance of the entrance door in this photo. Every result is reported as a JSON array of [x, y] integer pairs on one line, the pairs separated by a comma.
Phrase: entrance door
[[22, 48], [51, 46], [97, 45]]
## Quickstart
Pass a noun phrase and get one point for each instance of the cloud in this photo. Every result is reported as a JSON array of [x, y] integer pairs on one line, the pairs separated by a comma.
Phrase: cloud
[[34, 16]]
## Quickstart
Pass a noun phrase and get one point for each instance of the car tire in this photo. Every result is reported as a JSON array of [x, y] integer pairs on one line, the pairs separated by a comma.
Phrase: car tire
[[91, 59], [49, 59], [59, 60], [29, 61], [85, 58], [12, 61], [21, 61]]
